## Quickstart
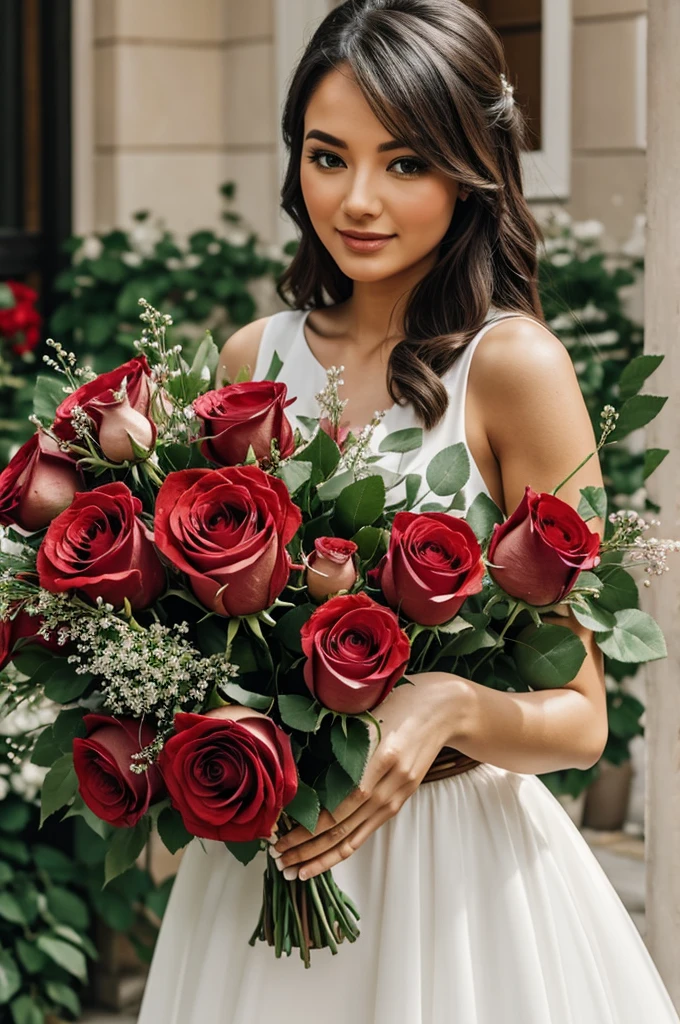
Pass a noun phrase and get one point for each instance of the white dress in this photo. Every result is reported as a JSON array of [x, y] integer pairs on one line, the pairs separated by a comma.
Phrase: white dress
[[480, 901]]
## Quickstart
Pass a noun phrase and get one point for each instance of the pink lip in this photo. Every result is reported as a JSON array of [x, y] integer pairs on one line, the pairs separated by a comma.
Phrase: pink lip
[[368, 242]]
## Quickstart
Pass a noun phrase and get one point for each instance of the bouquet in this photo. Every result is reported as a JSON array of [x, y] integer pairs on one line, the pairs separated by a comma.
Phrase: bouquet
[[218, 595]]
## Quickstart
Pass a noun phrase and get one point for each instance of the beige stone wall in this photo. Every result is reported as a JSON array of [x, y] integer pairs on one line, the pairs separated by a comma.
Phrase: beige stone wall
[[608, 113], [184, 99]]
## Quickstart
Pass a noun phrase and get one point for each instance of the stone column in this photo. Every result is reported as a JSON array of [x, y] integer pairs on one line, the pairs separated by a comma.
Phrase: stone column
[[662, 331]]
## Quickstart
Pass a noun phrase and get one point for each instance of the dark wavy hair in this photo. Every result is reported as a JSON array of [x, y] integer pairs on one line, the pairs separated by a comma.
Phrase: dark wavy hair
[[431, 72]]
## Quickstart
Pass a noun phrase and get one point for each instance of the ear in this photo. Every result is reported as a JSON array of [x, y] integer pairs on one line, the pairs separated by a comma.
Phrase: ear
[[463, 194]]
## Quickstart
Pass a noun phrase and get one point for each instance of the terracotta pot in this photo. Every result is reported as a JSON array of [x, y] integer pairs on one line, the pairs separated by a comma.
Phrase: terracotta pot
[[608, 797]]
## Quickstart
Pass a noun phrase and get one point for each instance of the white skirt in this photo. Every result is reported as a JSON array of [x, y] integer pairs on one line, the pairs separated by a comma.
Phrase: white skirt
[[480, 902]]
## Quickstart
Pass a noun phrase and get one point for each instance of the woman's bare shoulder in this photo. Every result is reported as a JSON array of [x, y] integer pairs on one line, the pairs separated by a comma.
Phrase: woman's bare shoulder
[[241, 350]]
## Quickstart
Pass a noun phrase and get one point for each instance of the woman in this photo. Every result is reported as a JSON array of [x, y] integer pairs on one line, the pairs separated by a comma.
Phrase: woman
[[481, 902]]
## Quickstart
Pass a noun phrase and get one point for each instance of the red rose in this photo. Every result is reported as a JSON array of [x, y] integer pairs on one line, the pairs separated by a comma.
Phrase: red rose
[[433, 564], [100, 547], [118, 403], [331, 567], [38, 484], [23, 626], [102, 761], [227, 529], [355, 653], [537, 554], [241, 415], [229, 773]]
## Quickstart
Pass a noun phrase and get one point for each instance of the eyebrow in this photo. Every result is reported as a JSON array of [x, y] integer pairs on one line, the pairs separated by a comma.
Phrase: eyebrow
[[384, 147]]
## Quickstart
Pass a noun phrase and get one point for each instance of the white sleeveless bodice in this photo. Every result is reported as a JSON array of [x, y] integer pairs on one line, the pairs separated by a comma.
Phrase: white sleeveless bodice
[[304, 376]]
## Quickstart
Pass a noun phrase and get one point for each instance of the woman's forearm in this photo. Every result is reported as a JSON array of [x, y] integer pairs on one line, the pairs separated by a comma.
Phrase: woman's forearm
[[532, 733]]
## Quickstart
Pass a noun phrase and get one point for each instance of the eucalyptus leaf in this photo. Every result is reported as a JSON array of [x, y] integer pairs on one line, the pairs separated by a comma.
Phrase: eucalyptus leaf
[[636, 638], [402, 440], [548, 656], [305, 806], [332, 488], [591, 616], [412, 483], [449, 470], [619, 591], [295, 474]]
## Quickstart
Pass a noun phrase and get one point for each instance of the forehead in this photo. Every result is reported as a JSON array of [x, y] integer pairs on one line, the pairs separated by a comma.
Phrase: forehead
[[338, 106]]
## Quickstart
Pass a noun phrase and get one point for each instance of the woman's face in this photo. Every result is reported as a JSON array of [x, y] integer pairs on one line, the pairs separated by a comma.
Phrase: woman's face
[[349, 184]]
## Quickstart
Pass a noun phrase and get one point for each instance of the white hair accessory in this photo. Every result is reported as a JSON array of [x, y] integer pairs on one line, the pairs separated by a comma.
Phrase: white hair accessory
[[508, 89]]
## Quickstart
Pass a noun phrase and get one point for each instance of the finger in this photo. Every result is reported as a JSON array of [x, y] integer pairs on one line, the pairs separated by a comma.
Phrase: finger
[[334, 835], [352, 842], [301, 835]]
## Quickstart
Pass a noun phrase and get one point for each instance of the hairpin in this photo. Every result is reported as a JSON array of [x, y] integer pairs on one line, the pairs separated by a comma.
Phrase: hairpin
[[508, 89]]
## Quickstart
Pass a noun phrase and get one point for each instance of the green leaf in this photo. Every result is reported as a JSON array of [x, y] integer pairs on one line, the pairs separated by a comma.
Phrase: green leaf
[[636, 373], [368, 540], [59, 785], [274, 367], [207, 356], [125, 848], [330, 490], [6, 872], [287, 629], [298, 711], [351, 748], [402, 440], [454, 626], [412, 484], [482, 516], [591, 616], [593, 504], [295, 474], [335, 787], [64, 954], [47, 395], [619, 591], [7, 300], [10, 976], [14, 815], [68, 724], [61, 994], [258, 701], [324, 455], [55, 863], [26, 1011], [68, 908], [10, 909], [14, 849], [360, 504], [637, 412], [623, 713], [245, 852], [636, 638], [65, 685], [449, 470], [305, 806], [653, 459], [548, 656], [172, 830], [32, 959]]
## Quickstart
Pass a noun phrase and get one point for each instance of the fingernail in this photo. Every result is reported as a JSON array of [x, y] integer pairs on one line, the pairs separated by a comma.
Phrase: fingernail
[[290, 874], [273, 838], [275, 853], [278, 864]]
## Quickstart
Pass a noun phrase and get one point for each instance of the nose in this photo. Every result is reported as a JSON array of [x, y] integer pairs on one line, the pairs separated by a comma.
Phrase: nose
[[361, 198]]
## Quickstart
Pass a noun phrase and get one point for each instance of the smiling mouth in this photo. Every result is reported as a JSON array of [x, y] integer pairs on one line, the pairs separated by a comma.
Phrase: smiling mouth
[[365, 236]]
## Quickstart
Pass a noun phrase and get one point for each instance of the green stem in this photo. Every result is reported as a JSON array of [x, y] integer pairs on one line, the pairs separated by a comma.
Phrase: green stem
[[501, 636], [330, 938]]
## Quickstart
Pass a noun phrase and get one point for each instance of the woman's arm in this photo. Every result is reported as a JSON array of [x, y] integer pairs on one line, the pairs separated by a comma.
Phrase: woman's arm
[[240, 350], [523, 383]]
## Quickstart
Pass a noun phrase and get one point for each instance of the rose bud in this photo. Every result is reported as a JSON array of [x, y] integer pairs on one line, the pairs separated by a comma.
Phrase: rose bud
[[38, 484], [355, 653], [239, 416], [227, 529], [101, 548], [434, 562], [229, 773], [337, 434], [102, 762], [111, 396], [120, 423], [331, 567], [537, 554]]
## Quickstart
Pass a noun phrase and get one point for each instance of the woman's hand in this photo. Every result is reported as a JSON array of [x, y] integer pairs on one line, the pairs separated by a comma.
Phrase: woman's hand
[[415, 722]]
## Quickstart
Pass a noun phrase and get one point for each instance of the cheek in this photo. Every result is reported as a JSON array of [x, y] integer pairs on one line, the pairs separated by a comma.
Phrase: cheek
[[427, 206], [321, 195]]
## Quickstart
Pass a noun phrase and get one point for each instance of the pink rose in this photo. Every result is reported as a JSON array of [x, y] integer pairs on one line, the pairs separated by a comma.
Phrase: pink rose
[[331, 567], [239, 416], [38, 484], [537, 554]]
